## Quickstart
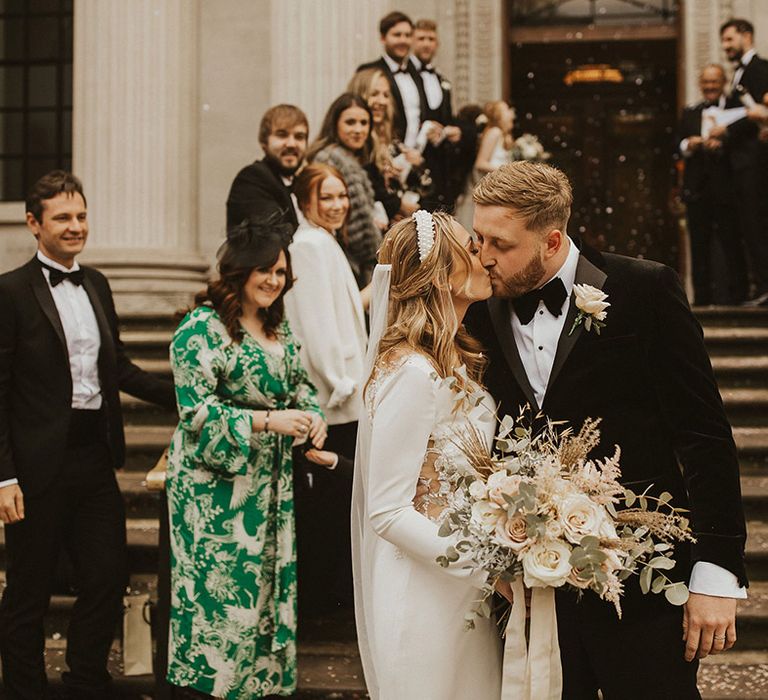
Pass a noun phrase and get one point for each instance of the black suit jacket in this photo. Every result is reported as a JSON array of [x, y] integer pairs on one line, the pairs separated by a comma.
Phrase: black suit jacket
[[35, 378], [257, 193], [399, 119], [649, 378], [444, 112], [742, 144], [707, 174]]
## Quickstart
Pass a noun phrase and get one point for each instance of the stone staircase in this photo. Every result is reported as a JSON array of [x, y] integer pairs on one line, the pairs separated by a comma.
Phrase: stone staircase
[[328, 662]]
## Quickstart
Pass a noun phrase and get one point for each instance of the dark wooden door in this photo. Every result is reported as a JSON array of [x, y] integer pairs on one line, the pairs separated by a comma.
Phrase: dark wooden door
[[614, 138]]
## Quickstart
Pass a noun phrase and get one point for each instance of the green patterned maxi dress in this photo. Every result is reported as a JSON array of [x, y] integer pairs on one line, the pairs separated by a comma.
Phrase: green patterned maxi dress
[[230, 496]]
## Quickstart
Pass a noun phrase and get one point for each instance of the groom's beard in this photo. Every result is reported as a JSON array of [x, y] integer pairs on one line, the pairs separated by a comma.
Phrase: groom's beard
[[524, 281]]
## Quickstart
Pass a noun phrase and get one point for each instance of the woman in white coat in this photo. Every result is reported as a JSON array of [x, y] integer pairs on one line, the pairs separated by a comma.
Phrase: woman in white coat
[[326, 315]]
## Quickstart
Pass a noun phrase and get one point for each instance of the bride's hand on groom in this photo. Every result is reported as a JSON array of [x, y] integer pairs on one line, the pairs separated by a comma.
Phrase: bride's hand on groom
[[709, 625]]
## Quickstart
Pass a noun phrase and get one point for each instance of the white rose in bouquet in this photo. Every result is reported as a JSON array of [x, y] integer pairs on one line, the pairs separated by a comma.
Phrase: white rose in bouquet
[[513, 533], [485, 515], [477, 490], [580, 516], [500, 484], [546, 564]]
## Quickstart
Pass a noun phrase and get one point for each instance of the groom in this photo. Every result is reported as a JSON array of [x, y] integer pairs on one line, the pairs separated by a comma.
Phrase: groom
[[648, 377]]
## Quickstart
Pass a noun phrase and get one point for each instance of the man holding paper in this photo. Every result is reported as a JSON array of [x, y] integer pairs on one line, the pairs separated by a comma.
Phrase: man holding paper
[[747, 155], [708, 193]]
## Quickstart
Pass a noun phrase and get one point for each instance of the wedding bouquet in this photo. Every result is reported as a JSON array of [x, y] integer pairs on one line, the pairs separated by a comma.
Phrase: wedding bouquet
[[528, 147], [537, 508]]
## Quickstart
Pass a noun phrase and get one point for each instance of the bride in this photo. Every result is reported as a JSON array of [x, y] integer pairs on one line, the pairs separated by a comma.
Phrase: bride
[[409, 610]]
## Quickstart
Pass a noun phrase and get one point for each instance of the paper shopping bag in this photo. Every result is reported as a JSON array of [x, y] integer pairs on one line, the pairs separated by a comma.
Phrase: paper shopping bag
[[137, 635]]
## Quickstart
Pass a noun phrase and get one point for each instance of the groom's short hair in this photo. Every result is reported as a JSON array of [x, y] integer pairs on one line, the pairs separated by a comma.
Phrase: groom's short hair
[[539, 193]]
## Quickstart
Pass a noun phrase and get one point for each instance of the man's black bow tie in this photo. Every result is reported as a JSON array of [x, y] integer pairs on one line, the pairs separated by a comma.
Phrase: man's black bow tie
[[553, 295], [429, 68], [58, 276], [401, 70], [708, 103]]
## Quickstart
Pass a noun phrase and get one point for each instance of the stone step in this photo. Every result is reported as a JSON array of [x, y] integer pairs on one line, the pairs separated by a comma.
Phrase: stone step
[[752, 444], [734, 674], [142, 536], [144, 445], [138, 412], [757, 550], [160, 366], [746, 406], [325, 671], [741, 371], [735, 340], [739, 316]]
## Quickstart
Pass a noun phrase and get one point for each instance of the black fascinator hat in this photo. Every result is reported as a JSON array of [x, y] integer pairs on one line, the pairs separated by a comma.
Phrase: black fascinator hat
[[256, 244]]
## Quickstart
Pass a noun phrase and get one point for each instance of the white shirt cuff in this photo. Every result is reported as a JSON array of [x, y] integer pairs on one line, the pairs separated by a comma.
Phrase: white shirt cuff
[[714, 580], [8, 482], [684, 147]]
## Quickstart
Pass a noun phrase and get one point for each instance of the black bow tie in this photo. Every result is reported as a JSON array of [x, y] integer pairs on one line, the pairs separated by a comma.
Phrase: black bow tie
[[401, 70], [711, 104], [553, 295], [58, 276], [429, 68]]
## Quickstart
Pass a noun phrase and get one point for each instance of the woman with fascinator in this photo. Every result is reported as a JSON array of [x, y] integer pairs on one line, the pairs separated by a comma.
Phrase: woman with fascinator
[[243, 398], [409, 610]]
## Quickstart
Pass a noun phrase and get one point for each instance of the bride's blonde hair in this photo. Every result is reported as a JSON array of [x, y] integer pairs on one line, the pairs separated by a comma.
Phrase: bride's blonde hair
[[421, 315]]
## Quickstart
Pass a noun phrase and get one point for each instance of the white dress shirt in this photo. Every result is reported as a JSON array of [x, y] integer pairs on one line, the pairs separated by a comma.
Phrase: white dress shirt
[[432, 87], [81, 332], [705, 128], [411, 101], [537, 343], [744, 61]]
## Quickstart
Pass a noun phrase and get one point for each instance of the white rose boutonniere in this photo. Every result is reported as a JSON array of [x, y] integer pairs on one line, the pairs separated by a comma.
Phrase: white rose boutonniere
[[592, 305]]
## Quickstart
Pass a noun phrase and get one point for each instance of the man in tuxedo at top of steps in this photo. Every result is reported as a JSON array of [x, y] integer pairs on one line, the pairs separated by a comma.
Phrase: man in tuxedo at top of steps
[[747, 154], [647, 375], [62, 366], [261, 191], [446, 144], [709, 196], [405, 83]]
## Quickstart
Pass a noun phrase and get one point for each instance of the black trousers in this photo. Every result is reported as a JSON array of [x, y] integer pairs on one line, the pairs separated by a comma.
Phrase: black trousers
[[83, 513], [638, 658], [751, 185], [710, 222], [323, 538]]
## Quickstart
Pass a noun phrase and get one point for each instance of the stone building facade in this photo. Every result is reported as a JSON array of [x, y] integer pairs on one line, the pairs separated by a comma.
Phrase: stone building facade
[[167, 96]]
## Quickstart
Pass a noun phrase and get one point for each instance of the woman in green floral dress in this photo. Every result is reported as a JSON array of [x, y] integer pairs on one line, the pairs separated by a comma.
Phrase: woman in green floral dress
[[243, 399]]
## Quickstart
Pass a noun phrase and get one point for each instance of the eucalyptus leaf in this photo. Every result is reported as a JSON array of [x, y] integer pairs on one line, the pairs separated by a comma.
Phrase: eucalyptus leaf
[[677, 594], [445, 529], [661, 563], [645, 579], [658, 584], [629, 498]]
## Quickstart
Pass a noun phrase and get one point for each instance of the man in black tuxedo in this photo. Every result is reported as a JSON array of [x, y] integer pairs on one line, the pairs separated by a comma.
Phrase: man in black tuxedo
[[263, 189], [405, 83], [649, 379], [62, 365], [709, 197], [748, 155], [446, 146]]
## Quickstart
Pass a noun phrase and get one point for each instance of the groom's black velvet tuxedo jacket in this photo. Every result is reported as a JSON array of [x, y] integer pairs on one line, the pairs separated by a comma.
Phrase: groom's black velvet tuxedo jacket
[[649, 378], [36, 382]]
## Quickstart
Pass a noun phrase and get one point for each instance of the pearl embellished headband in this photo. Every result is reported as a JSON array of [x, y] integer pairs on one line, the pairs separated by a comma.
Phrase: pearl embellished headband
[[425, 232]]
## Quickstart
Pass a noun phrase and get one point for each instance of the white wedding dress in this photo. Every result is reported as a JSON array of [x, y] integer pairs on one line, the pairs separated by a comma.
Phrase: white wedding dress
[[410, 611]]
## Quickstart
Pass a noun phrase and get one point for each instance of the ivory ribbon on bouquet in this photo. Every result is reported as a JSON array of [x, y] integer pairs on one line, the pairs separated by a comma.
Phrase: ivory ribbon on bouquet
[[532, 672]]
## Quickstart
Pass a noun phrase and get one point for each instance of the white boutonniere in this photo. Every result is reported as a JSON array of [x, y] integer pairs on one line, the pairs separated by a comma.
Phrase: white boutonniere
[[591, 303], [445, 84]]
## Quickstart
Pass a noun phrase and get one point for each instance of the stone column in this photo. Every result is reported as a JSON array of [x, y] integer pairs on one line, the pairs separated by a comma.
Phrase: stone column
[[479, 43], [316, 47], [135, 127]]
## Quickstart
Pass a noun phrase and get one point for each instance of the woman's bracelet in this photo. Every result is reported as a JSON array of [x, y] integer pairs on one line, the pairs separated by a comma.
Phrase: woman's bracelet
[[266, 420]]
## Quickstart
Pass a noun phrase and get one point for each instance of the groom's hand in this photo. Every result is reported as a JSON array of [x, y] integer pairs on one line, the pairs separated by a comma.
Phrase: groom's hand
[[709, 625]]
